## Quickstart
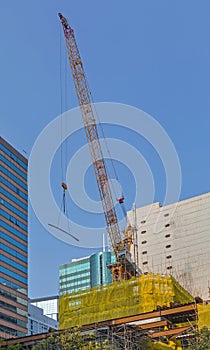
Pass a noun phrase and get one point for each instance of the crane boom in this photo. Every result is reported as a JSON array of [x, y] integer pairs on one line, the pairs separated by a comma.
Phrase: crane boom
[[89, 122]]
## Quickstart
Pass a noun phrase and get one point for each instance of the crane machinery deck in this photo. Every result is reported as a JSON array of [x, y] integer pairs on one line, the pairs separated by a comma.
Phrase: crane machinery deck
[[124, 268]]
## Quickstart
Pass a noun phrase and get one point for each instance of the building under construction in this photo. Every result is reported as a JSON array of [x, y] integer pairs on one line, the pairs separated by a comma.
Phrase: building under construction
[[132, 293], [136, 306], [166, 327]]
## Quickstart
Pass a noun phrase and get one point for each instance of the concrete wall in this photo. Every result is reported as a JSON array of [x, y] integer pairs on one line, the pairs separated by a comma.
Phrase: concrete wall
[[175, 239]]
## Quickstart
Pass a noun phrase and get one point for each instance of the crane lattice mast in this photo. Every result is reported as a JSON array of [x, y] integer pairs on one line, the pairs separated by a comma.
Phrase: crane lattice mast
[[84, 99]]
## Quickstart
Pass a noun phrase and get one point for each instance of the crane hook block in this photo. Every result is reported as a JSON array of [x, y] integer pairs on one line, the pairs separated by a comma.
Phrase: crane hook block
[[121, 200], [64, 186]]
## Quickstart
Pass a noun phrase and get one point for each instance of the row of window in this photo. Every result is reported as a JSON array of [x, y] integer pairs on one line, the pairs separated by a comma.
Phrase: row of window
[[11, 331], [13, 285], [13, 209], [12, 241], [11, 296], [81, 282], [13, 263], [166, 236], [13, 308], [14, 188], [13, 156], [13, 177], [13, 198], [13, 167], [13, 252], [13, 275], [167, 246], [144, 221], [68, 273], [13, 320], [64, 291], [167, 257], [146, 263], [15, 222], [14, 232], [74, 286], [144, 231]]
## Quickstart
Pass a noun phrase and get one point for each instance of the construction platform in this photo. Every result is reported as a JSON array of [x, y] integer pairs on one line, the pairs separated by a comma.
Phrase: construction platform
[[162, 326]]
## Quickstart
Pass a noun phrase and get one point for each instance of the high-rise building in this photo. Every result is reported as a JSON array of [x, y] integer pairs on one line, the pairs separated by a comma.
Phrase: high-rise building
[[84, 273], [99, 272], [49, 305], [74, 276], [174, 239], [13, 242], [38, 322]]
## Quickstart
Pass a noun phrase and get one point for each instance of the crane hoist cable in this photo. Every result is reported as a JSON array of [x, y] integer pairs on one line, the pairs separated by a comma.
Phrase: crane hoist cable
[[63, 144]]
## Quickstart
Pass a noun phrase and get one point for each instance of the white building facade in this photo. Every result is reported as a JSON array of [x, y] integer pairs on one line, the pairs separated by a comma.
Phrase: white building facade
[[175, 240], [49, 305]]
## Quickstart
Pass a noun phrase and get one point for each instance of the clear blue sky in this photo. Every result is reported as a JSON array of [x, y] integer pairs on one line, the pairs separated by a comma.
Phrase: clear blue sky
[[151, 54]]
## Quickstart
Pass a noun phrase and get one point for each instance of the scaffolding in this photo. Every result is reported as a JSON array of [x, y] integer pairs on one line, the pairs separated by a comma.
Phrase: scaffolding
[[120, 299], [154, 330]]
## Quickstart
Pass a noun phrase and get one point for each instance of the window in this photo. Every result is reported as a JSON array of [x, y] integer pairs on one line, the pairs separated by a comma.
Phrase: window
[[167, 225], [144, 252], [168, 257], [142, 232], [168, 246], [13, 220], [143, 242], [167, 236], [167, 214], [143, 221], [145, 262]]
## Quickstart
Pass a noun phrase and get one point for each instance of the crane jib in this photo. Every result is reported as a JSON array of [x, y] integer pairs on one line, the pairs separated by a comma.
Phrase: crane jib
[[123, 269]]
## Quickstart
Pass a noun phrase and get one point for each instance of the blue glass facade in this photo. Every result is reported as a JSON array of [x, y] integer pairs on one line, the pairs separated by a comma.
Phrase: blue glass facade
[[85, 273], [74, 276], [13, 241], [99, 272]]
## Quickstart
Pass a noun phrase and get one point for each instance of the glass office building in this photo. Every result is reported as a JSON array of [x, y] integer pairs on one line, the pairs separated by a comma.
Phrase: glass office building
[[74, 276], [99, 272], [13, 242], [84, 273]]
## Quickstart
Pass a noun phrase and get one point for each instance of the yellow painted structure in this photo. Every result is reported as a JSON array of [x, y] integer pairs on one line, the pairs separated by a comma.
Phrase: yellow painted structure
[[172, 345], [203, 315], [120, 299]]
